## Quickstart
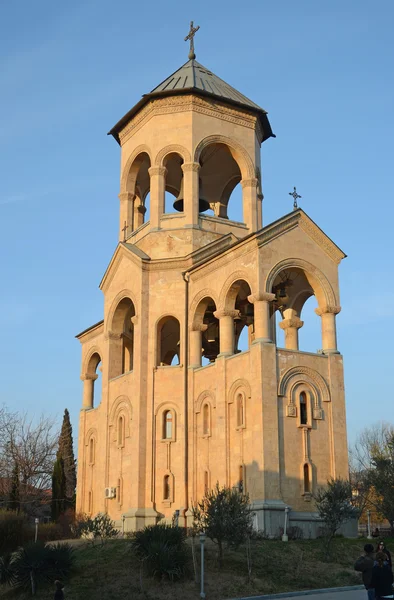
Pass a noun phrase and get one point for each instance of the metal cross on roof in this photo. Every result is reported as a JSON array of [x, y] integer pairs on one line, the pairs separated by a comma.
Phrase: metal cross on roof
[[295, 196], [190, 36]]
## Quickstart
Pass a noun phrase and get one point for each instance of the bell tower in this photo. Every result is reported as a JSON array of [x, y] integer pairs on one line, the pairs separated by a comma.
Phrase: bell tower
[[196, 137]]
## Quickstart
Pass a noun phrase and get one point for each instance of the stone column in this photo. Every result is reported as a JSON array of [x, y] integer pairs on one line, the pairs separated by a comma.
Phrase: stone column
[[226, 330], [88, 390], [328, 328], [260, 199], [291, 327], [191, 192], [249, 202], [262, 326], [157, 194], [126, 214], [196, 344], [139, 212]]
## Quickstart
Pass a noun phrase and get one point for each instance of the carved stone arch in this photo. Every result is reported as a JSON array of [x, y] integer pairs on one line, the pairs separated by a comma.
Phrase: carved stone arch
[[172, 148], [126, 293], [239, 384], [225, 291], [168, 406], [92, 432], [207, 394], [86, 369], [298, 376], [126, 169], [205, 293], [238, 152], [322, 288], [121, 406]]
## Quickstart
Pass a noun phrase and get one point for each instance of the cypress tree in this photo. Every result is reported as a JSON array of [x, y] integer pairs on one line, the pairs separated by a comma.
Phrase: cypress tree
[[66, 452], [14, 502], [58, 488]]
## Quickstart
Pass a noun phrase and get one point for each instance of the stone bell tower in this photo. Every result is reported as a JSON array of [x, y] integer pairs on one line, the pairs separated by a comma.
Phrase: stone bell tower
[[183, 403]]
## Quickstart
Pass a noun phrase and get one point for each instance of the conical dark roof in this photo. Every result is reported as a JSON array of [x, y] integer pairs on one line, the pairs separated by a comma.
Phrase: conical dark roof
[[192, 77]]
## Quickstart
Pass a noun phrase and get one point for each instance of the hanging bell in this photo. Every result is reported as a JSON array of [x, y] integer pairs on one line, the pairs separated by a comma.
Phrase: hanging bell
[[203, 204]]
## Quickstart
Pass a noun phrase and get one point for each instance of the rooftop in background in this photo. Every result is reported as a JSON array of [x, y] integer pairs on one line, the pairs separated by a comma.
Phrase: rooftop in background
[[192, 77]]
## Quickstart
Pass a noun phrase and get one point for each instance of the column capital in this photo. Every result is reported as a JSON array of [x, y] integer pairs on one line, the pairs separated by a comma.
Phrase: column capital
[[111, 335], [198, 327], [219, 314], [89, 377], [249, 182], [191, 166], [294, 322], [327, 309], [261, 297], [126, 196], [157, 171]]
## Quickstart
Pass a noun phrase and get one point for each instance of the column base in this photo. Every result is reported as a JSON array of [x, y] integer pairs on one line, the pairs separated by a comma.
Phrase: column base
[[262, 341], [330, 351]]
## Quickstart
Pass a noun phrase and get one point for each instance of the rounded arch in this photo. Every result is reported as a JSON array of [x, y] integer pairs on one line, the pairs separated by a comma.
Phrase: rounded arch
[[123, 405], [170, 149], [319, 283], [228, 295], [296, 375], [129, 174], [92, 360], [205, 396], [168, 336], [166, 405], [120, 297], [91, 433], [196, 309], [236, 386], [237, 151]]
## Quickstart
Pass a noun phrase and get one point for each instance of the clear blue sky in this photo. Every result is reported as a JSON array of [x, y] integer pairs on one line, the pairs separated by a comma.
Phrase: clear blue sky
[[69, 71]]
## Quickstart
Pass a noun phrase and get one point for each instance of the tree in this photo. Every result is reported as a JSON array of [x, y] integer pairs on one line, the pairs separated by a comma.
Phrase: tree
[[14, 502], [66, 452], [334, 505], [224, 514], [58, 488]]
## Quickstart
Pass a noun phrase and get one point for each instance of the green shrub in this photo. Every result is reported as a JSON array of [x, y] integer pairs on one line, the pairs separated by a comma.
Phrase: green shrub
[[166, 534], [80, 525], [12, 530], [101, 527], [7, 574], [61, 559], [48, 532], [162, 550]]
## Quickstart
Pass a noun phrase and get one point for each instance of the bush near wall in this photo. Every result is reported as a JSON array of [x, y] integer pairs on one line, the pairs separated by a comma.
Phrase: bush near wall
[[13, 530]]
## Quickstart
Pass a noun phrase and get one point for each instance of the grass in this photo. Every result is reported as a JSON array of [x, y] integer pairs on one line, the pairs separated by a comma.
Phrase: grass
[[110, 572]]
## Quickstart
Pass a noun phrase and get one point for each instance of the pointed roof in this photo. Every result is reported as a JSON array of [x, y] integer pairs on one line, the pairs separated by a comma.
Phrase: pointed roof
[[194, 78]]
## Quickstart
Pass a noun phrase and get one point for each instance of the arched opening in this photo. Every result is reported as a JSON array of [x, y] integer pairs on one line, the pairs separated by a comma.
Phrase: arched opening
[[168, 342], [207, 331], [241, 409], [234, 205], [93, 382], [90, 502], [122, 342], [219, 175], [121, 430], [303, 409], [310, 332], [166, 488], [244, 322], [92, 451], [174, 183], [206, 419], [307, 483], [138, 183], [168, 425], [293, 290]]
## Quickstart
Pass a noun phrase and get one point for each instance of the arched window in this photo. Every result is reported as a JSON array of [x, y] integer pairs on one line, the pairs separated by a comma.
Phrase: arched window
[[91, 451], [206, 482], [206, 419], [122, 344], [168, 342], [207, 332], [120, 491], [138, 184], [166, 487], [121, 432], [303, 409], [237, 296], [93, 382], [241, 410], [307, 484], [168, 425], [90, 502], [174, 193], [241, 479]]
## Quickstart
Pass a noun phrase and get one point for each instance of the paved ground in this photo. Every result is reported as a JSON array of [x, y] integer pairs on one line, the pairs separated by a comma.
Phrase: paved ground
[[334, 594]]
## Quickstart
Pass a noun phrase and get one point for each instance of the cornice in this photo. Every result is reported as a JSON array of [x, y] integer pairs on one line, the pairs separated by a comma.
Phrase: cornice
[[91, 333], [190, 102], [123, 250], [321, 238]]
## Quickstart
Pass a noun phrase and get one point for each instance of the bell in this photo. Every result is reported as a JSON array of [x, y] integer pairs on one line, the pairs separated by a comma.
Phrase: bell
[[203, 204]]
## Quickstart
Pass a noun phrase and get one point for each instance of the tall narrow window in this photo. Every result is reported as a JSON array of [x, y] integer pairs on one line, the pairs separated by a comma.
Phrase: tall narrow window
[[303, 409], [167, 425], [241, 479], [91, 451], [206, 482], [240, 410], [90, 502], [307, 485], [166, 487], [205, 417], [121, 431]]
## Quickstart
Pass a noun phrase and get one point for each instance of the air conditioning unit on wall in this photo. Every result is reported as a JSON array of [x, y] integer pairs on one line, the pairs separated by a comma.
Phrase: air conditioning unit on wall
[[110, 492]]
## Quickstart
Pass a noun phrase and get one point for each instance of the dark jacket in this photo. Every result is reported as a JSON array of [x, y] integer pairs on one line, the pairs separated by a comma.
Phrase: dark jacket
[[365, 565], [59, 595], [382, 580]]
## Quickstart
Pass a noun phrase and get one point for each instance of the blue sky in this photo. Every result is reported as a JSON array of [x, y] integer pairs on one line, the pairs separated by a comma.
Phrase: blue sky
[[323, 71]]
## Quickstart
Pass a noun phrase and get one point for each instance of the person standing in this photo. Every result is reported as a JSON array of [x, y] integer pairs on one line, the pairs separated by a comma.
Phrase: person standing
[[59, 595], [365, 565], [382, 577], [381, 547]]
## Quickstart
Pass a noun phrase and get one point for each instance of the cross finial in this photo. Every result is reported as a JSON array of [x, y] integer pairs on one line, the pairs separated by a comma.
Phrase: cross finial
[[125, 228], [295, 196], [190, 36]]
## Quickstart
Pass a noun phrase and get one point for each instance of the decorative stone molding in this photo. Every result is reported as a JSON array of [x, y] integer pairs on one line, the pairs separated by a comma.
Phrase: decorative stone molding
[[294, 322], [219, 314], [198, 327], [190, 166], [157, 171], [246, 167], [321, 239], [199, 297], [134, 320], [226, 288], [304, 375], [126, 170], [317, 413], [261, 297], [333, 310], [172, 149], [203, 397], [291, 410], [249, 183], [126, 196], [87, 376], [237, 385]]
